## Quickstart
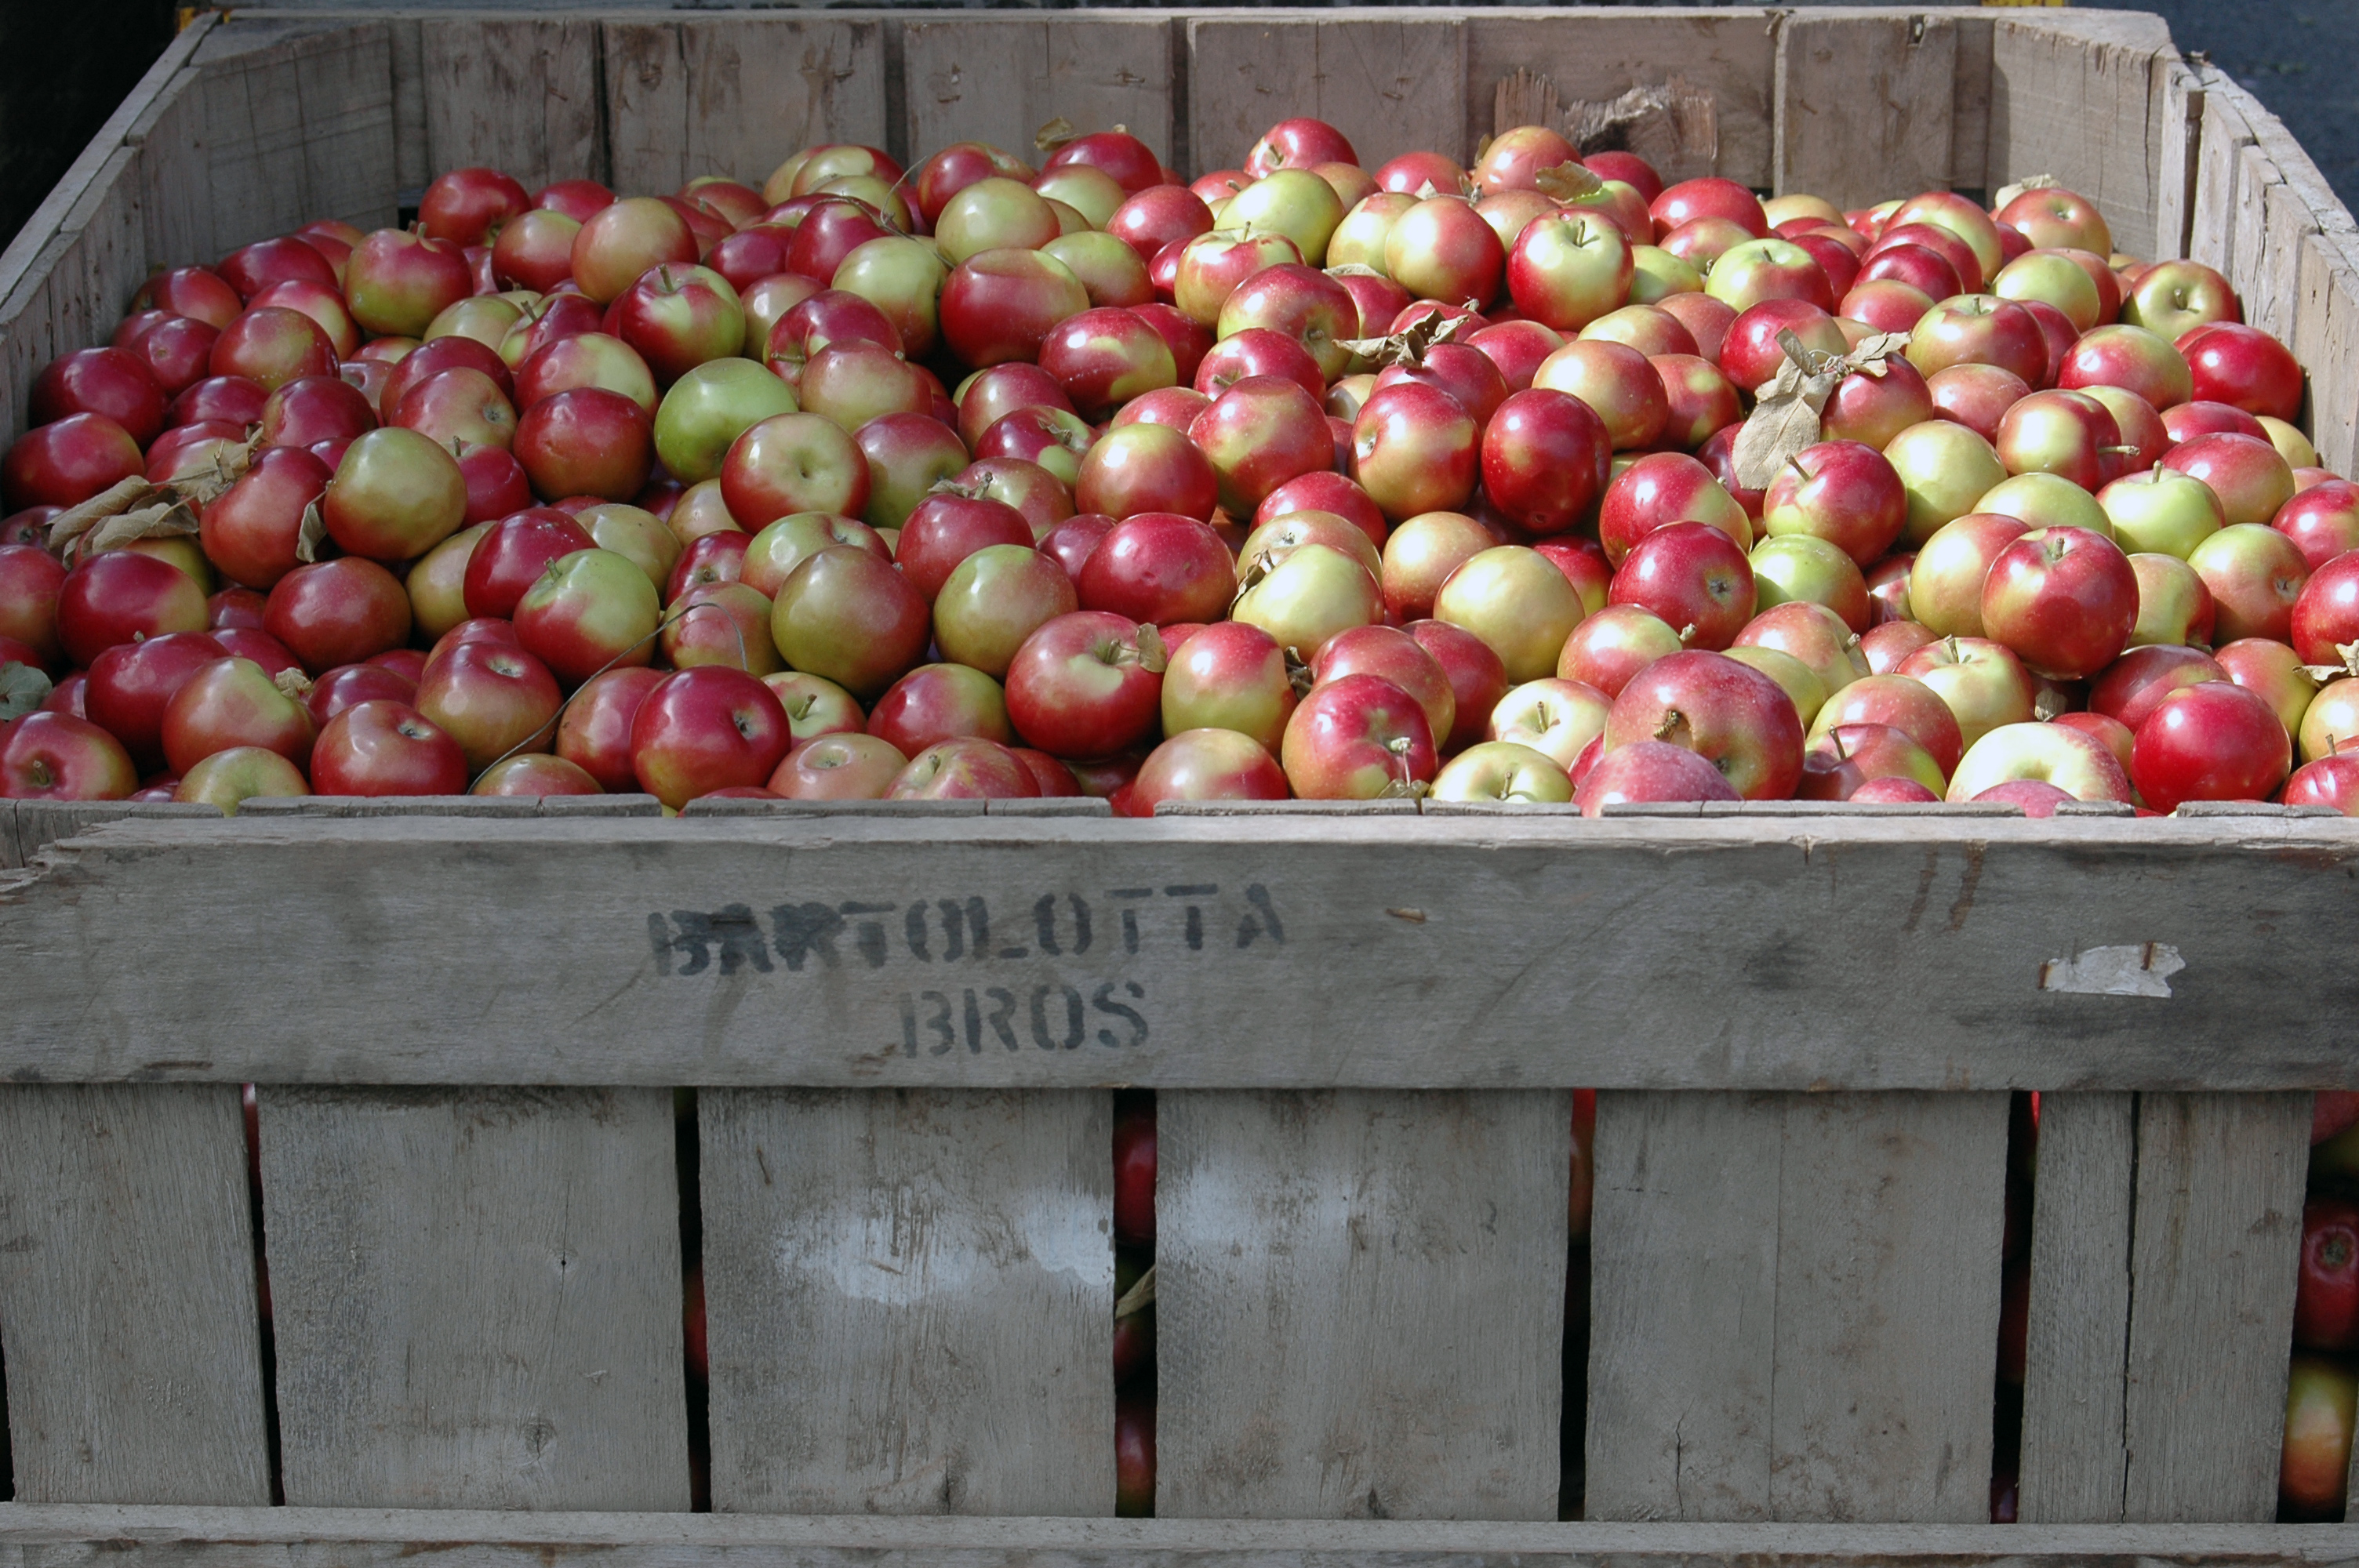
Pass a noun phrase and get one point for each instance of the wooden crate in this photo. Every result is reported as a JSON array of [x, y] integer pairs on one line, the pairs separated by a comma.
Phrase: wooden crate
[[905, 1026]]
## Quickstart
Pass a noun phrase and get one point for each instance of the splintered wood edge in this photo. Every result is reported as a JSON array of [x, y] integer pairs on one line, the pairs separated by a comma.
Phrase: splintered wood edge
[[143, 1537]]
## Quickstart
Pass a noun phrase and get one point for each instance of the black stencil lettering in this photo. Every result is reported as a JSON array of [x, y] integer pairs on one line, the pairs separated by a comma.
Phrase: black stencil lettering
[[1263, 920], [1073, 1025], [953, 929], [974, 1025], [908, 1026], [805, 930], [732, 932], [978, 929], [1191, 890], [913, 928], [659, 938], [1103, 1000], [1002, 1015], [1081, 923], [1044, 923], [1195, 926], [945, 1037], [868, 936]]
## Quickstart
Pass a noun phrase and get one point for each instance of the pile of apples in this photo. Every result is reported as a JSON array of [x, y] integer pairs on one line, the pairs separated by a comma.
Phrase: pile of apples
[[1302, 479]]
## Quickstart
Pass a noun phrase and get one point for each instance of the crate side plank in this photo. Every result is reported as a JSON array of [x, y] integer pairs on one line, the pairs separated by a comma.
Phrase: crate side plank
[[1865, 106], [1683, 1270], [2330, 272], [519, 93], [1597, 56], [127, 1301], [50, 1535], [998, 78], [1389, 85], [2212, 236], [910, 1300], [1887, 1349], [2078, 1335], [2214, 1253], [2077, 107], [296, 131], [739, 952], [2177, 134], [478, 1297], [733, 96], [1359, 1304]]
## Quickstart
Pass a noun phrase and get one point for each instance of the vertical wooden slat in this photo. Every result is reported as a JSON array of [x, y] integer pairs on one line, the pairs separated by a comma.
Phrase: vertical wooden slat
[[2070, 96], [2251, 273], [2080, 1312], [2326, 341], [127, 1306], [1596, 56], [2177, 133], [295, 131], [1359, 1304], [1389, 85], [2212, 232], [1863, 105], [1886, 1351], [1970, 104], [477, 1297], [1683, 1260], [910, 1300], [2213, 1257], [998, 78], [518, 92], [1850, 1377], [733, 94], [11, 854], [413, 168]]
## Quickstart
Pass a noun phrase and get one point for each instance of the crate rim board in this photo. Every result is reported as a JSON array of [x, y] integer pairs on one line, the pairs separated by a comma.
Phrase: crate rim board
[[204, 1537], [1732, 953]]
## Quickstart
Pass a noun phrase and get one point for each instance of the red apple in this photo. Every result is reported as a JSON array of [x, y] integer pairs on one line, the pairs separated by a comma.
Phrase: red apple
[[1205, 764], [594, 732], [2213, 741], [49, 755], [131, 683], [1692, 576], [1081, 686], [586, 441], [1358, 738], [2064, 599], [122, 596], [1160, 568], [229, 703], [386, 748], [338, 612], [1646, 771], [66, 461], [940, 702]]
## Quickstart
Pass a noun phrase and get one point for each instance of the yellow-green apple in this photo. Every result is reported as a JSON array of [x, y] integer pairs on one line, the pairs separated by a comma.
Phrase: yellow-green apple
[[1307, 593], [1748, 273], [1502, 771], [2046, 501], [2173, 604], [1516, 601], [2256, 575], [994, 599], [854, 619], [707, 409], [2172, 298], [1801, 567], [2252, 481], [394, 496], [2080, 764], [228, 778], [2161, 511], [1565, 271], [396, 282], [2052, 279], [1419, 555], [1649, 328], [1295, 203], [1555, 717], [908, 455], [1795, 679], [1814, 634], [588, 610], [1231, 676], [1984, 683], [852, 383]]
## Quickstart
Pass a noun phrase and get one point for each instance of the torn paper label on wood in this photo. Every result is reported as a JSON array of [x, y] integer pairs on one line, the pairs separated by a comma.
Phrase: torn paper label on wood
[[2141, 971]]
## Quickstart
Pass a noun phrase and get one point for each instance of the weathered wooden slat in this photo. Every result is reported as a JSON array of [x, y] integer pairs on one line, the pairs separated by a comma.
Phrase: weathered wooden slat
[[40, 823], [1683, 1270], [1391, 81], [2080, 1312], [2071, 97], [127, 1304], [1359, 1304], [519, 93], [998, 77], [286, 1538], [734, 94], [2327, 332], [1596, 56], [2213, 1257], [299, 130], [2177, 132], [910, 1296], [2211, 236], [1970, 103], [1886, 953], [1770, 1338], [477, 1297], [2251, 273], [1865, 106]]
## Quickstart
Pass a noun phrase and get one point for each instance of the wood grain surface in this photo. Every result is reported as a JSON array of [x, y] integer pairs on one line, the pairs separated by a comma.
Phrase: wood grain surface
[[910, 1300], [1359, 1304], [478, 1297], [1889, 953]]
